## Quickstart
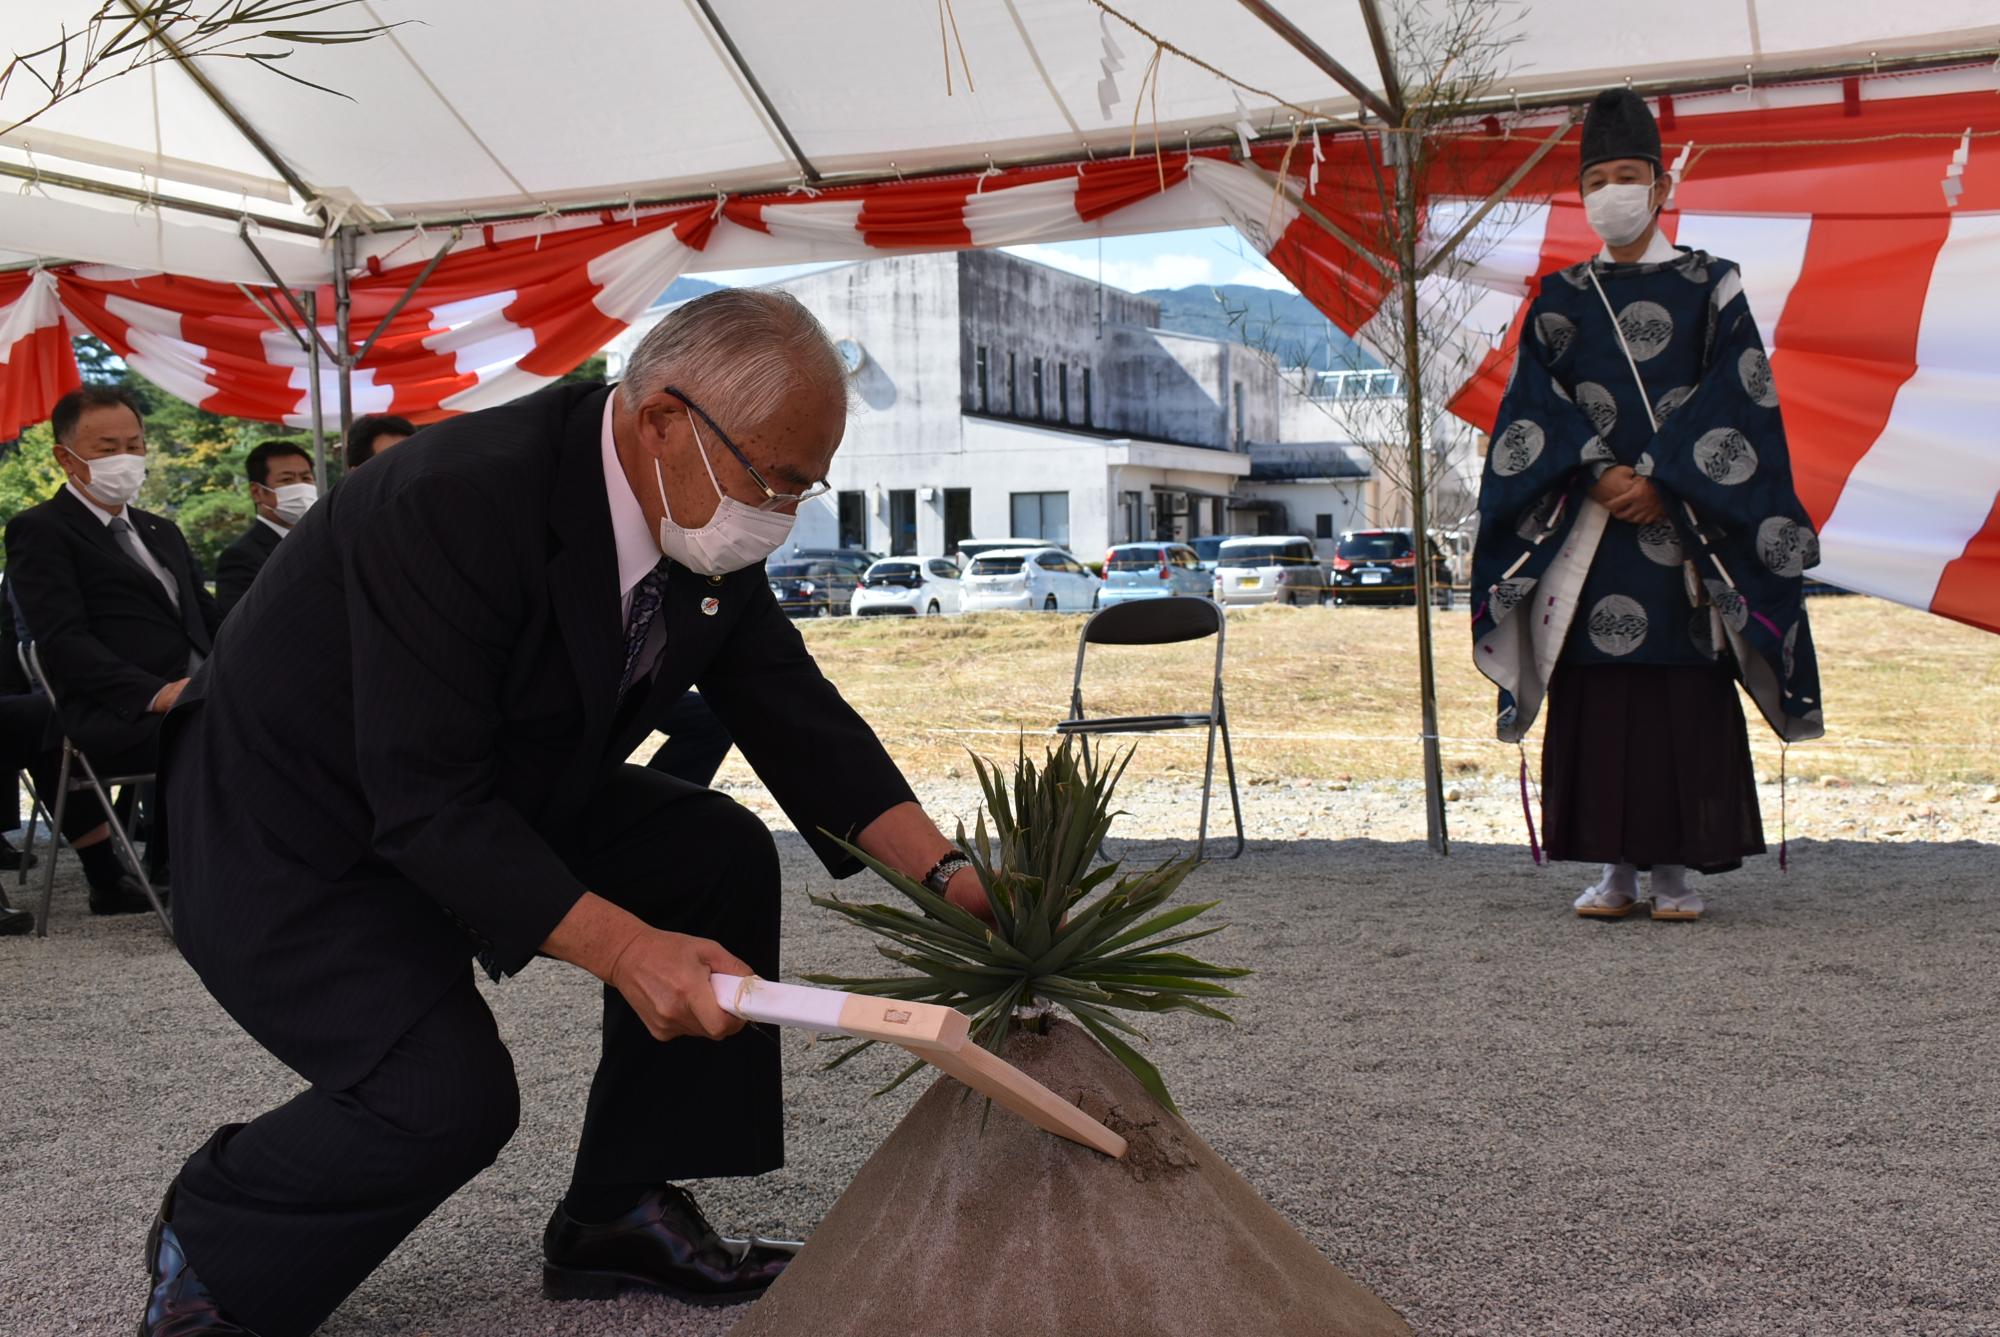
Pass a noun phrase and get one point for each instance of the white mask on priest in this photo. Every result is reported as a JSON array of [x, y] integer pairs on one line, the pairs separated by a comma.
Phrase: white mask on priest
[[1620, 213]]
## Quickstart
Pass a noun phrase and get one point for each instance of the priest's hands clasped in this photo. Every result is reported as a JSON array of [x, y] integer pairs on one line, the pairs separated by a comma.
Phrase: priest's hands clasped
[[1629, 497]]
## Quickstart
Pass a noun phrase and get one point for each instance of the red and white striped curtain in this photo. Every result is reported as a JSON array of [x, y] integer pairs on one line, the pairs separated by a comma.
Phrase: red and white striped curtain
[[1872, 282]]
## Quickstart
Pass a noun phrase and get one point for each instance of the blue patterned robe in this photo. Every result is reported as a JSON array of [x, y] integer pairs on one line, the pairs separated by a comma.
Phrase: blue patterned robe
[[1556, 576]]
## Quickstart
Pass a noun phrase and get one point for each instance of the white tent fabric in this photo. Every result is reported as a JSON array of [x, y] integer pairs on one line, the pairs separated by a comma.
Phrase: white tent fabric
[[492, 105]]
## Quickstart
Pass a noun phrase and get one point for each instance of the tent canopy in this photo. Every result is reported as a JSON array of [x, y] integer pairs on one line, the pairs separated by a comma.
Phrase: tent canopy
[[487, 106], [561, 175]]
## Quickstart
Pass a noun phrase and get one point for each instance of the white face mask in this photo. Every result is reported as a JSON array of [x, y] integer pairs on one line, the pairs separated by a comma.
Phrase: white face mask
[[293, 501], [1620, 214], [736, 536], [115, 480]]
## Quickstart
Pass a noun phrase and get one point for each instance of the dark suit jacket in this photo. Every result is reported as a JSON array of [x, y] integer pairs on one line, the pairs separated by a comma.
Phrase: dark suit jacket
[[242, 560], [109, 636], [415, 703]]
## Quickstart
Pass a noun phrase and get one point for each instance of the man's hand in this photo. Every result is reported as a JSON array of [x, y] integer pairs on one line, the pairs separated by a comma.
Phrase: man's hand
[[163, 700], [1639, 504], [1612, 484], [968, 894], [1628, 496], [664, 976]]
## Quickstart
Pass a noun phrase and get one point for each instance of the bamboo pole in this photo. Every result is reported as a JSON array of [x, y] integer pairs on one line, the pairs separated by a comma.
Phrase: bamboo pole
[[1413, 413]]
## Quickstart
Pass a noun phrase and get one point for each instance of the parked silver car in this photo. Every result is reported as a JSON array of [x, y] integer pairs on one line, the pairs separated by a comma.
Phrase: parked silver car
[[1271, 570], [1153, 571]]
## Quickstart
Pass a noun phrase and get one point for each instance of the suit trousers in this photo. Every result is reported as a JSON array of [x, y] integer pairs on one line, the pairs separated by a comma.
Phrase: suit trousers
[[697, 741], [284, 1216]]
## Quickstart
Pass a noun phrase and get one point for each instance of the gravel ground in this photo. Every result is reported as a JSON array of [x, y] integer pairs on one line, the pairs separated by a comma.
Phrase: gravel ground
[[1781, 1120]]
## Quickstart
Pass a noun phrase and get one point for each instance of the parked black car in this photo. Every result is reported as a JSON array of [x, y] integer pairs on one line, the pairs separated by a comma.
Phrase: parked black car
[[1375, 566], [816, 587]]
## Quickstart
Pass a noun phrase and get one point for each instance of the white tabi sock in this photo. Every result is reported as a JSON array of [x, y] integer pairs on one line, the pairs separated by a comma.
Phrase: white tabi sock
[[1669, 880], [1621, 879]]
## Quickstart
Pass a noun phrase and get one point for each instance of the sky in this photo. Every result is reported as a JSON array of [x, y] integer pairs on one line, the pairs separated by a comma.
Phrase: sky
[[1208, 257]]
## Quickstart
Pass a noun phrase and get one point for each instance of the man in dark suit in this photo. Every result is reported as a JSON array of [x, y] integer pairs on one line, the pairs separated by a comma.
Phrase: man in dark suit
[[282, 489], [117, 607], [484, 628], [372, 433]]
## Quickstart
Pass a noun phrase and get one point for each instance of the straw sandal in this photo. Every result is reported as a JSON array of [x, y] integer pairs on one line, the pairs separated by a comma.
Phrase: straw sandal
[[1601, 902]]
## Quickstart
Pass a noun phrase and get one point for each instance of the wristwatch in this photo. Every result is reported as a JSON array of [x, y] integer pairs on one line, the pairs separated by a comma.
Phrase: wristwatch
[[945, 869]]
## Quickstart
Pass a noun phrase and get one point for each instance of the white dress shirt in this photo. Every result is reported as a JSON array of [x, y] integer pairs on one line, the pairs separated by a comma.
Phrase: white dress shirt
[[1658, 251], [638, 547], [273, 525], [144, 554]]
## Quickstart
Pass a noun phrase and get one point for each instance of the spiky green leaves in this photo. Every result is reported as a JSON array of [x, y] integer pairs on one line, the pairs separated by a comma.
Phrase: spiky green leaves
[[1046, 945]]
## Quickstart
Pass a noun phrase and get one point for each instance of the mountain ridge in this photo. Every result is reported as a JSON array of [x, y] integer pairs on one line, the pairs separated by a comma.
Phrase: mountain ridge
[[1283, 323]]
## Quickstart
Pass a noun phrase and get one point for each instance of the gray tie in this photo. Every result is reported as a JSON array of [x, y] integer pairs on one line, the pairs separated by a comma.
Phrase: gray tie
[[133, 545]]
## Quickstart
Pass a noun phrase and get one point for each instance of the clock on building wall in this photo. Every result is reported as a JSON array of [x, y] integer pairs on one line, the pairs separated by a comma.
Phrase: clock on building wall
[[851, 356]]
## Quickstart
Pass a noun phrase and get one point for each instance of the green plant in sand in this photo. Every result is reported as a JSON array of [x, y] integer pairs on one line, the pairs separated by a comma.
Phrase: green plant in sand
[[1050, 944]]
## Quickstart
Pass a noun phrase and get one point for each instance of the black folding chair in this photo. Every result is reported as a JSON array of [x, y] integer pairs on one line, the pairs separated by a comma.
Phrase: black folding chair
[[67, 783], [1162, 622]]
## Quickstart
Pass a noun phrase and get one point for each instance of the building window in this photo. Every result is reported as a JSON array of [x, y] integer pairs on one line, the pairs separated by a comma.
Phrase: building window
[[854, 519], [1089, 416], [1041, 515], [1013, 397], [1238, 396], [1322, 526], [957, 517], [1041, 405], [1062, 392], [979, 378], [903, 522]]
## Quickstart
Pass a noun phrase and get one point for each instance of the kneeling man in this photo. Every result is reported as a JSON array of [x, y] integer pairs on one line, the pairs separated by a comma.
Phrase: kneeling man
[[484, 630]]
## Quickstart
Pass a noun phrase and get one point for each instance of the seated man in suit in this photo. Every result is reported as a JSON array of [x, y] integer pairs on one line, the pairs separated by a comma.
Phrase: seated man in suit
[[115, 602], [282, 489], [410, 749]]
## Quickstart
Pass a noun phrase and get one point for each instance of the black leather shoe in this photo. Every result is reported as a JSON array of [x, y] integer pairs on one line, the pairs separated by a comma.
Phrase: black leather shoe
[[128, 898], [14, 922], [179, 1305], [10, 858], [665, 1245]]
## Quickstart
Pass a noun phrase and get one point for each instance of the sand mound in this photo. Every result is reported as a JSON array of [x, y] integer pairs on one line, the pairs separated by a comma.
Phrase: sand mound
[[1013, 1231]]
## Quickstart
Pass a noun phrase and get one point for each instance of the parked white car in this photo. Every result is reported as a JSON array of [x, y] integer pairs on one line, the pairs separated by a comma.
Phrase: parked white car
[[1028, 579], [908, 586], [1271, 569]]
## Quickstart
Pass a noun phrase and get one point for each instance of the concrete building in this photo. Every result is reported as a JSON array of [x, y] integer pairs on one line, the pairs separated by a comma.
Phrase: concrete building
[[997, 397], [1320, 477]]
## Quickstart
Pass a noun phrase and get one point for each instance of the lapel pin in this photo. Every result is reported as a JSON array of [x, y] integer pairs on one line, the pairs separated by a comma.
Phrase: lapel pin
[[709, 606]]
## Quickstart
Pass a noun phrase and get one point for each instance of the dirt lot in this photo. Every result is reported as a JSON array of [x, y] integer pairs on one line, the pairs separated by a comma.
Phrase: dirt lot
[[1324, 710]]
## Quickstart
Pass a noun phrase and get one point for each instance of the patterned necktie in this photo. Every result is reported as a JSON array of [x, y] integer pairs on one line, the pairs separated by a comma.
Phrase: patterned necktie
[[129, 539], [645, 606]]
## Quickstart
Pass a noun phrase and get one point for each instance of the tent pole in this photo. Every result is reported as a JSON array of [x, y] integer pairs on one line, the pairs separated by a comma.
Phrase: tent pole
[[312, 390], [280, 288], [343, 307], [1499, 193], [1268, 15]]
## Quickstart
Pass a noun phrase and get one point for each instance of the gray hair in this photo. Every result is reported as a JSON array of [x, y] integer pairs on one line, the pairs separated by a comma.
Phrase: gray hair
[[742, 352]]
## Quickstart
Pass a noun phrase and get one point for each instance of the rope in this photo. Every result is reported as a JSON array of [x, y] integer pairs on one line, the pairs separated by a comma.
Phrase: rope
[[1162, 44], [945, 10], [1328, 736], [1527, 810], [1784, 817]]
